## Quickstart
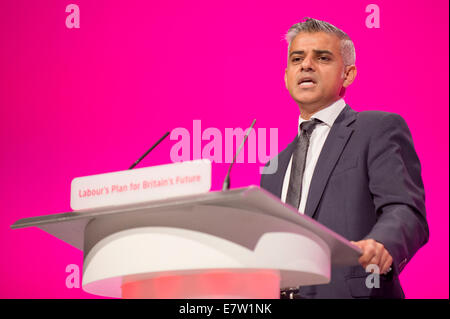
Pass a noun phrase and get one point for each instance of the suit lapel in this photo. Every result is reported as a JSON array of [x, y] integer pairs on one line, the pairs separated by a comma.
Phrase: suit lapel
[[331, 151]]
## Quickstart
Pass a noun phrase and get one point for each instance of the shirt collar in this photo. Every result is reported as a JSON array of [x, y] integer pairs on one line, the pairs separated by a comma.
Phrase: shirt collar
[[327, 115]]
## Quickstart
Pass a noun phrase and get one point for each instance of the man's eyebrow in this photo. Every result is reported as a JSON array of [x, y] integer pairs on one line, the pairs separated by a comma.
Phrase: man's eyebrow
[[323, 52], [315, 51], [296, 52]]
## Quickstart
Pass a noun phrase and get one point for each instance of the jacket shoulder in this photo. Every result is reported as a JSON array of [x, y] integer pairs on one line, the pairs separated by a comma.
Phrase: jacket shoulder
[[377, 115], [372, 120]]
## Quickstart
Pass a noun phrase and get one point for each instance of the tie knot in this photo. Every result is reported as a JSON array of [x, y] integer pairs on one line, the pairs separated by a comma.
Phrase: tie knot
[[309, 126]]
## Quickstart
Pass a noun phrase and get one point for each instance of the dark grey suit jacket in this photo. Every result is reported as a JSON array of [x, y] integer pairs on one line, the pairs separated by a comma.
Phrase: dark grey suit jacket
[[366, 184]]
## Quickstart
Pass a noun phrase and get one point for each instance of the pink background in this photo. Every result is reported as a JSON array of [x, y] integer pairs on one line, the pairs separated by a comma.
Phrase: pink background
[[76, 102]]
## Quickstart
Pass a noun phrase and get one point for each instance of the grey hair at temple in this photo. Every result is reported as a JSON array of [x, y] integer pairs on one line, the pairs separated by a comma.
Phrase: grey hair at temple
[[312, 25]]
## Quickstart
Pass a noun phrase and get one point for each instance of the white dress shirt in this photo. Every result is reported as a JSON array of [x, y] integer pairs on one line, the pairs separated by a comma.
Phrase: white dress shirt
[[328, 115]]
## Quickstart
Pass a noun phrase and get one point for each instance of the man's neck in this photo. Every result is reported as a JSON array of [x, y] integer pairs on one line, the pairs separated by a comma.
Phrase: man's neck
[[306, 111]]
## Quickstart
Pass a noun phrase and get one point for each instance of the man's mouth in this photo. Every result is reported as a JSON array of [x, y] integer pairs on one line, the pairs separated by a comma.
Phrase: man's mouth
[[306, 82]]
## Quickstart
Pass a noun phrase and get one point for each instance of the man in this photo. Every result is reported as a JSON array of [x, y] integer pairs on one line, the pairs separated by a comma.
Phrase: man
[[356, 173]]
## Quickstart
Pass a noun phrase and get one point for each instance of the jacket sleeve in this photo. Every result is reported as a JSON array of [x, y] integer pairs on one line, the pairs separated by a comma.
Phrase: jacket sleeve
[[398, 193]]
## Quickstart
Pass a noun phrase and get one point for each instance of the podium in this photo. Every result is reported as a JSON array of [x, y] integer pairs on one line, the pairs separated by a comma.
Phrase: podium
[[241, 243]]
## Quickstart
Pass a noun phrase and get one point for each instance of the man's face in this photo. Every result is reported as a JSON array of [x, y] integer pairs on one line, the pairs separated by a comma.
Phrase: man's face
[[315, 74]]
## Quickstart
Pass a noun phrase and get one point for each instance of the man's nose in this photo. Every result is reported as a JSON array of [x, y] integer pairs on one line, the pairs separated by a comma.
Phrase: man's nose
[[307, 64]]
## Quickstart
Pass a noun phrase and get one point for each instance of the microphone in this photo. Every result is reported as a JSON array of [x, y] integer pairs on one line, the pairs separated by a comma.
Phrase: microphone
[[151, 148], [226, 182]]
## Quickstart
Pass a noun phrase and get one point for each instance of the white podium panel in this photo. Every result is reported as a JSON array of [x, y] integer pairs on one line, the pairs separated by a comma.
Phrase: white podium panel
[[239, 236]]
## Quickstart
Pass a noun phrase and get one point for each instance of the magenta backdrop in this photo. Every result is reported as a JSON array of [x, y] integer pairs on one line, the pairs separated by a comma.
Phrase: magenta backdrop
[[77, 102]]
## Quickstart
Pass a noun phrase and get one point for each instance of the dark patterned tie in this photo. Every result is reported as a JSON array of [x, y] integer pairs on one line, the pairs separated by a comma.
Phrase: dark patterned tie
[[294, 192]]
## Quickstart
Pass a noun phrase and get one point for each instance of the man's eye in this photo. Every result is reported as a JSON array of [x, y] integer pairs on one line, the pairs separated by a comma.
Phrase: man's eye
[[296, 59], [324, 58]]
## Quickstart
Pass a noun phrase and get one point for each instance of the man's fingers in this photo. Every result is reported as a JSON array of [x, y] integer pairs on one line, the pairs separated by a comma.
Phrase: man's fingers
[[376, 262], [387, 263], [383, 260], [374, 253], [377, 258], [369, 252]]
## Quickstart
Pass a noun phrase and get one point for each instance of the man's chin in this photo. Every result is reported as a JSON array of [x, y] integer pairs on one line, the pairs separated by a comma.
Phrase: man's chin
[[307, 101], [307, 96]]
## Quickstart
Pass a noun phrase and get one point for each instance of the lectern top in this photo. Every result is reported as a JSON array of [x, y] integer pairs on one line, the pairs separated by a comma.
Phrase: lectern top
[[70, 226]]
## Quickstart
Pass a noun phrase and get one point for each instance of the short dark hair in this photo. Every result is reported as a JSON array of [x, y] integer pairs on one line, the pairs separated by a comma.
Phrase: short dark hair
[[311, 25]]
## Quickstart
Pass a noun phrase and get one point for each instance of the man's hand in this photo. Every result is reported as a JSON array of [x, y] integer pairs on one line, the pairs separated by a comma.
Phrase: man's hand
[[374, 253]]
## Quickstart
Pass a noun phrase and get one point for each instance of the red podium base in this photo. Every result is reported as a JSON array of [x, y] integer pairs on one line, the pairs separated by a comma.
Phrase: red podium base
[[218, 284]]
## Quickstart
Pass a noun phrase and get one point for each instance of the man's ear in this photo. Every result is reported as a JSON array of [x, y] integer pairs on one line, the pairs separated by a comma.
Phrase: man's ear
[[349, 75], [285, 78]]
